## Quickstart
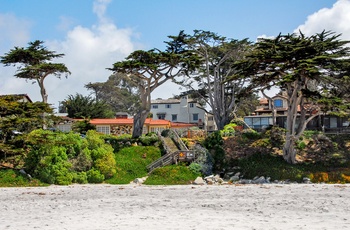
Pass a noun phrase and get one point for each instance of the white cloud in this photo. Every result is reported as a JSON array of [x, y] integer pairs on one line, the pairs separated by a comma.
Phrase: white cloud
[[88, 52], [100, 7], [336, 19], [14, 31]]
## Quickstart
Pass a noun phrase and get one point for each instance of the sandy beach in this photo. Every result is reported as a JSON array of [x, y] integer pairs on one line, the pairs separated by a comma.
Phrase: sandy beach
[[294, 206]]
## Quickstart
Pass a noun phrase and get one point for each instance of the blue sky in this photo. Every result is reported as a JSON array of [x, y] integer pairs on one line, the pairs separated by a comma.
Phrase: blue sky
[[93, 34]]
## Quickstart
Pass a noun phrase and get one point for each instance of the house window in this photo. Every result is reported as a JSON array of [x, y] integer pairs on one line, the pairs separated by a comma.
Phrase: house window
[[278, 103], [161, 116], [154, 106], [195, 117], [105, 129], [210, 118], [174, 117], [333, 122], [191, 105], [168, 106]]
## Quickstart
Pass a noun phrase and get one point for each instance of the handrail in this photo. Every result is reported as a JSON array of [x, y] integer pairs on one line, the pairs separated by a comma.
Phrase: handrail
[[184, 154], [170, 158], [179, 141]]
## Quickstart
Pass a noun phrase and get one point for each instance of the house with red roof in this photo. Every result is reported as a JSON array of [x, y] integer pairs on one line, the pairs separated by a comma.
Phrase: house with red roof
[[120, 126]]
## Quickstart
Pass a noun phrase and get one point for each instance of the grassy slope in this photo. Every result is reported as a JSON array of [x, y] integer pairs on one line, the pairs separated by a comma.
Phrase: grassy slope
[[13, 178], [132, 162]]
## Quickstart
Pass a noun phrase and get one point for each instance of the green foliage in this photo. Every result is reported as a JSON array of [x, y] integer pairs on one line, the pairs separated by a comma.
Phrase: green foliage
[[33, 63], [211, 76], [271, 166], [203, 159], [120, 93], [310, 133], [83, 162], [262, 143], [118, 142], [213, 140], [80, 178], [131, 163], [238, 121], [171, 175], [106, 165], [94, 176], [60, 158], [16, 120], [291, 62], [83, 126], [250, 134], [13, 178], [195, 168], [149, 139], [80, 106], [214, 143], [301, 145], [277, 136], [229, 130]]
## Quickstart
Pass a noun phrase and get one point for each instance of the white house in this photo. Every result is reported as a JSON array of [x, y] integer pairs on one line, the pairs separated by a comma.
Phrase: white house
[[181, 110]]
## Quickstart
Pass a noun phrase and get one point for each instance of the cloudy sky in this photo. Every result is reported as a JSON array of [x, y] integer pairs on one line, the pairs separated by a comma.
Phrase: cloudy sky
[[94, 34]]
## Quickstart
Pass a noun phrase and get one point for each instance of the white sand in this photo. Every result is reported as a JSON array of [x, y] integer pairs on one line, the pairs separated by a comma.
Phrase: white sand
[[297, 206]]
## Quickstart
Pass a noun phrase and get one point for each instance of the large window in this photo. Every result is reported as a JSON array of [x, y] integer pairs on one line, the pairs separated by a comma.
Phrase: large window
[[154, 106], [258, 122], [278, 103], [174, 117], [105, 129], [191, 105], [195, 117], [161, 116], [168, 106]]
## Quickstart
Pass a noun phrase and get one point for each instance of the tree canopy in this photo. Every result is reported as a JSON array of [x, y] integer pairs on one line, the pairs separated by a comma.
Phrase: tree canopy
[[310, 70], [34, 64], [209, 83], [80, 106], [119, 93], [17, 117], [150, 69]]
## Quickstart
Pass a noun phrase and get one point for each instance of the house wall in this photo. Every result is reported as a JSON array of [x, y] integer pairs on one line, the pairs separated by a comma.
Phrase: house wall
[[184, 110]]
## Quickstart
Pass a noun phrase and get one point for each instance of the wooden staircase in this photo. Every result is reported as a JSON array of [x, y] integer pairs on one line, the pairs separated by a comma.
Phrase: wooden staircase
[[176, 151]]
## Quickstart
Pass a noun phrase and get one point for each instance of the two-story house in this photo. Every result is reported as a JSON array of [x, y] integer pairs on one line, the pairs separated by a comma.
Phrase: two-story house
[[274, 112], [184, 110]]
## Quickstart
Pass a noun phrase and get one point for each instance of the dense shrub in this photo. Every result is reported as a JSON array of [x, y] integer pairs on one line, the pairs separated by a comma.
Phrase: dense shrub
[[250, 134], [149, 139], [228, 130], [94, 176], [106, 165], [80, 178], [214, 143], [61, 158], [195, 168], [83, 162]]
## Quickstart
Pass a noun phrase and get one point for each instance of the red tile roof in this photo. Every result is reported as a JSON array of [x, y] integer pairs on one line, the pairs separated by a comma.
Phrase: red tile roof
[[126, 121]]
